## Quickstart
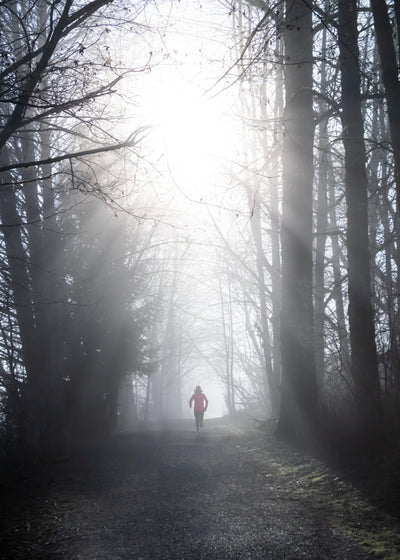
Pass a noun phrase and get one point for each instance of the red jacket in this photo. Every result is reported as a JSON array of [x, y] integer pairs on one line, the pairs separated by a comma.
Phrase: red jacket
[[200, 402]]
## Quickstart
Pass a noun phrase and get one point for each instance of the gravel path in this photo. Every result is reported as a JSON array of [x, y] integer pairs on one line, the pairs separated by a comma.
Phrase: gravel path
[[175, 495]]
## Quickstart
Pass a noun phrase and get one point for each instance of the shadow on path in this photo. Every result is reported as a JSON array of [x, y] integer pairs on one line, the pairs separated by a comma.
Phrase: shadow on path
[[170, 494]]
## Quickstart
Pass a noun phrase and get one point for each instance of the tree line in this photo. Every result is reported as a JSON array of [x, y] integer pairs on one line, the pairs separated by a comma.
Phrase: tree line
[[305, 280], [337, 184], [73, 314]]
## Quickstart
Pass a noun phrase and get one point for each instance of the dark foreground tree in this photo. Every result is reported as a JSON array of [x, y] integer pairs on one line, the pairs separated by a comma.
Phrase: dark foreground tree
[[298, 418], [364, 365], [391, 83], [385, 38], [53, 75]]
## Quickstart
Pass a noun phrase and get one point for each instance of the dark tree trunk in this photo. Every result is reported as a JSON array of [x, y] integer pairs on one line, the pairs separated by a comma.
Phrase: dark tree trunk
[[361, 319], [18, 273], [390, 79], [299, 406], [321, 208], [338, 260]]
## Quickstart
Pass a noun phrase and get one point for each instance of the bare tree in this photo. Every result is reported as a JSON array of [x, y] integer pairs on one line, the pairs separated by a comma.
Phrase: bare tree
[[299, 388], [361, 319], [52, 74]]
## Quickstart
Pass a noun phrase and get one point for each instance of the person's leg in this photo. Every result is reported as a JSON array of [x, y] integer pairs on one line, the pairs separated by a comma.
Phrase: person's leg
[[201, 415], [197, 417]]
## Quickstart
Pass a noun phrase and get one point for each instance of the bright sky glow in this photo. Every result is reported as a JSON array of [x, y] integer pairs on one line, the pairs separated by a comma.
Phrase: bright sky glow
[[195, 133], [193, 144]]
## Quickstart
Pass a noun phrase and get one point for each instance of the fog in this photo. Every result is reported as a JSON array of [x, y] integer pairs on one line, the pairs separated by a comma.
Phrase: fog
[[194, 191], [199, 204], [178, 209]]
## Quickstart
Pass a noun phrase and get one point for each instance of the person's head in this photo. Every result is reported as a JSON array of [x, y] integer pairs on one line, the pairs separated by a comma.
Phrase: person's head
[[198, 389]]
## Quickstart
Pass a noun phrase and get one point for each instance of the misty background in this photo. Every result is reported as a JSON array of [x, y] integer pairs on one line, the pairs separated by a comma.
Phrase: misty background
[[198, 194]]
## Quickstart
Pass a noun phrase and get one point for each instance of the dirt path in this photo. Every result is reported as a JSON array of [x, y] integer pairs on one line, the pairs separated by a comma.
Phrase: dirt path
[[173, 495]]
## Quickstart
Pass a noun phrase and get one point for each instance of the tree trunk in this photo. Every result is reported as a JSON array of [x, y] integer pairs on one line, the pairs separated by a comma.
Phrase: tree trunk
[[299, 406], [321, 229], [275, 220], [271, 382], [390, 79], [361, 320], [227, 333], [18, 270], [338, 281]]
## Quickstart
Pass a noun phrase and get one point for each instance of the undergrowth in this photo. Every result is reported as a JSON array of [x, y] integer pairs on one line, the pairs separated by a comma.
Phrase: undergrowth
[[349, 511]]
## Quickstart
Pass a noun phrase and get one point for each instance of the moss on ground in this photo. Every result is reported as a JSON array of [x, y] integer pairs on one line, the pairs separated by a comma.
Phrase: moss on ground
[[350, 513]]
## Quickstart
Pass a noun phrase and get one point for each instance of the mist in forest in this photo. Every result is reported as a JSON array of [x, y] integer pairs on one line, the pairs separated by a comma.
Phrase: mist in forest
[[198, 195]]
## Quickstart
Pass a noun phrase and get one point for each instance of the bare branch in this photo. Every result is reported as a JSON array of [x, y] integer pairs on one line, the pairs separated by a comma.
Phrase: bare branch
[[129, 143]]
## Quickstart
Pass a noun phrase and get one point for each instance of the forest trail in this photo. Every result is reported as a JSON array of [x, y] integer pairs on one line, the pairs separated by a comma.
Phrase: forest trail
[[173, 495]]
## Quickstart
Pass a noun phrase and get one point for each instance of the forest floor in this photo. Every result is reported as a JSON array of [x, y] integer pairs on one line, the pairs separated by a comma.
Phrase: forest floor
[[174, 495]]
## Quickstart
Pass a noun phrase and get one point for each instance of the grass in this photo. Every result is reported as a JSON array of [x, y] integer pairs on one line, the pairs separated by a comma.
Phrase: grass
[[350, 512]]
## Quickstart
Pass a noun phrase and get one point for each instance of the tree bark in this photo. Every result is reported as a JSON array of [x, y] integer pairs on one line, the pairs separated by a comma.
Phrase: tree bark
[[364, 364], [271, 381], [299, 405], [321, 229], [390, 79]]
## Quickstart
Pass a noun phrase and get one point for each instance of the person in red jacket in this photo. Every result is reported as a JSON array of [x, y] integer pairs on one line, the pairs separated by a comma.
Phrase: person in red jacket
[[200, 406]]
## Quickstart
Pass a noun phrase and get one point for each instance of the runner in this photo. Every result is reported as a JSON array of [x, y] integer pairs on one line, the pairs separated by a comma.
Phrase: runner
[[200, 406]]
